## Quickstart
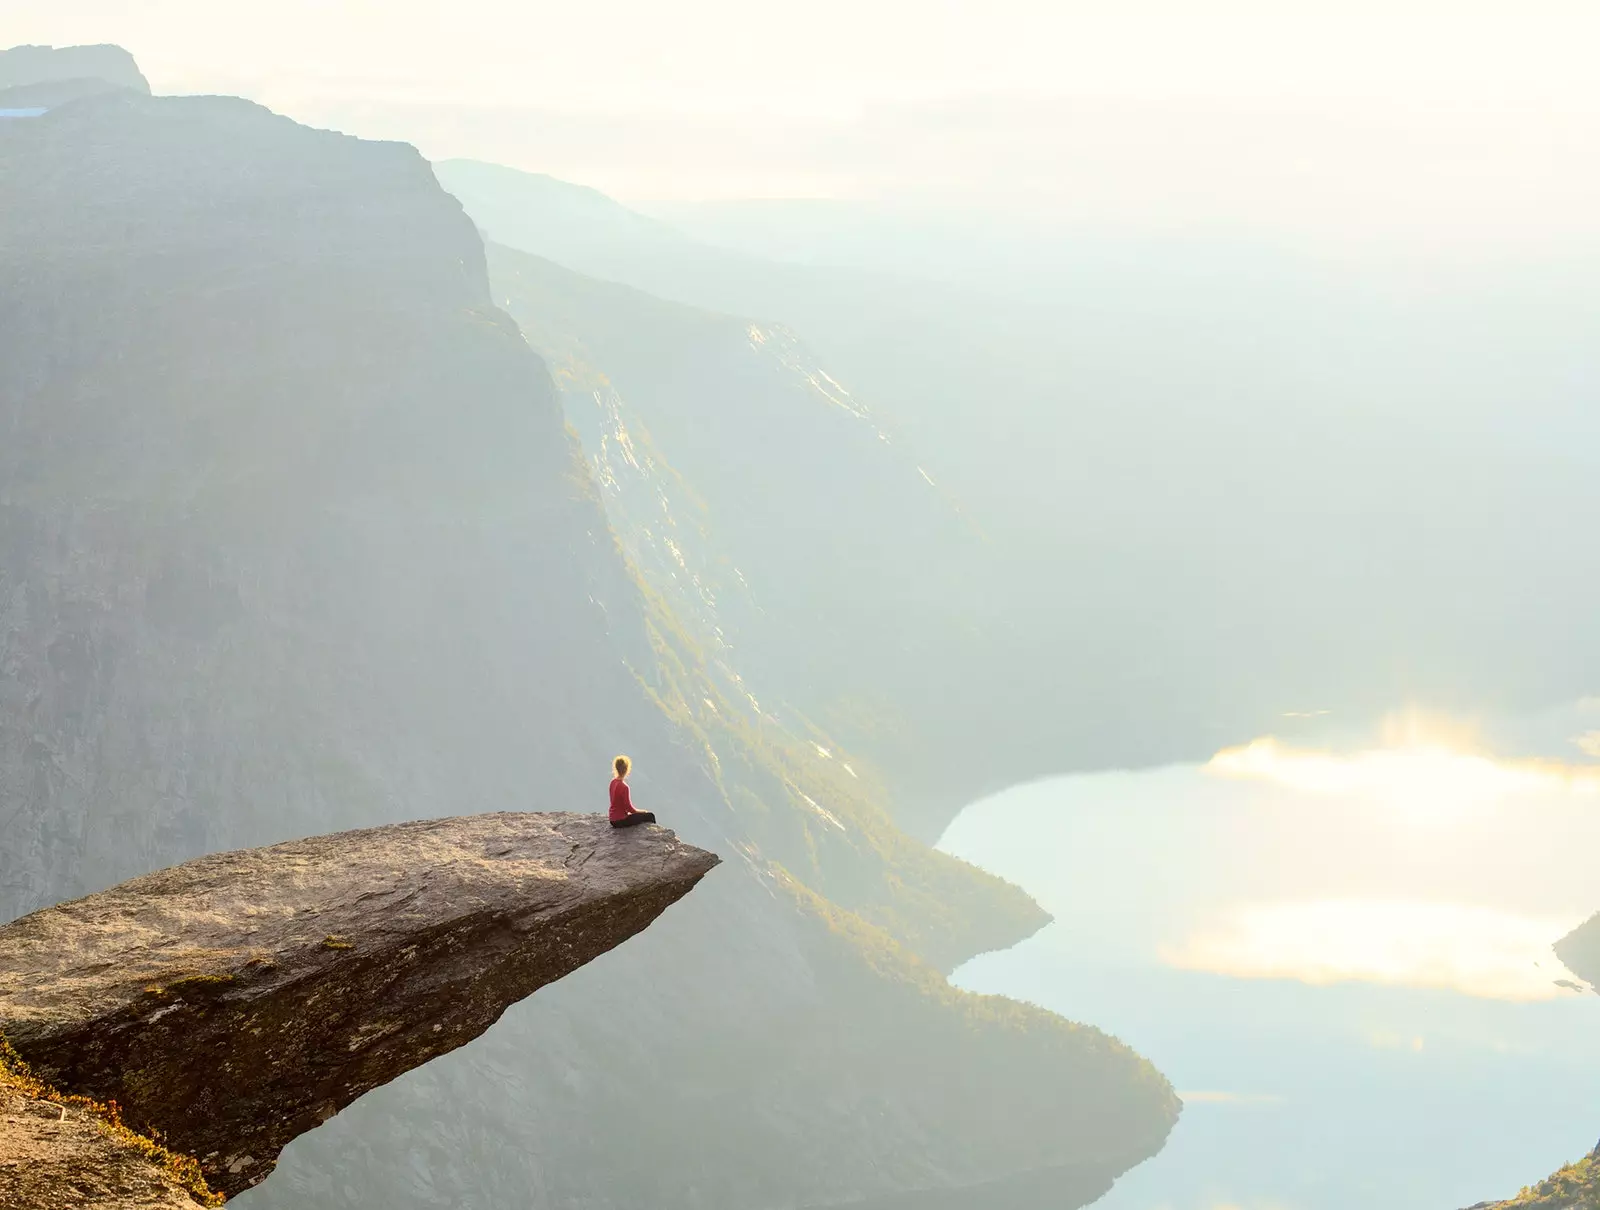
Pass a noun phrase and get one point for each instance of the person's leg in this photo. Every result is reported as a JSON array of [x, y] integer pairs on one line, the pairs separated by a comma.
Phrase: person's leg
[[634, 820]]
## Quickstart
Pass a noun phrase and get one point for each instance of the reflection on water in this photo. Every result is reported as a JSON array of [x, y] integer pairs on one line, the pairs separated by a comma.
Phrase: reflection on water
[[1476, 950], [1342, 962]]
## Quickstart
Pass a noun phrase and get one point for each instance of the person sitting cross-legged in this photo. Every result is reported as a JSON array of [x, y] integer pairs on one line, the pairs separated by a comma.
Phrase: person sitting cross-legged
[[622, 813]]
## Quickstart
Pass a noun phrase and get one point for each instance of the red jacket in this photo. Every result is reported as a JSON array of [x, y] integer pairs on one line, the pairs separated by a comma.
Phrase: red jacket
[[621, 804]]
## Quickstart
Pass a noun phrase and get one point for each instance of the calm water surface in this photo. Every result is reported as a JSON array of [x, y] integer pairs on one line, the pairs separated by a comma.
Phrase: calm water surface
[[1341, 962]]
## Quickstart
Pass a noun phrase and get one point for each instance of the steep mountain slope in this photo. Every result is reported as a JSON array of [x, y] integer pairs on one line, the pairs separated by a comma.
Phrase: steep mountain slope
[[1218, 482], [772, 508], [929, 674], [293, 538]]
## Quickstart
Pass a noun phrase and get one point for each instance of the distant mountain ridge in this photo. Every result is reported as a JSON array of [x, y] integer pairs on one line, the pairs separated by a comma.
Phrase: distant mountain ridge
[[48, 75], [510, 198], [584, 230]]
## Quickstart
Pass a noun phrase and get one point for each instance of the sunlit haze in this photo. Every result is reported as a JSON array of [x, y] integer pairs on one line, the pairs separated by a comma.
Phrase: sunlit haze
[[1422, 122], [1416, 779], [1460, 947], [1419, 798], [1421, 861]]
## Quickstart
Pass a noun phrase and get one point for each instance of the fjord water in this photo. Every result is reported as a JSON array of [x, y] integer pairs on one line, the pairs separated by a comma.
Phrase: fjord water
[[1341, 962]]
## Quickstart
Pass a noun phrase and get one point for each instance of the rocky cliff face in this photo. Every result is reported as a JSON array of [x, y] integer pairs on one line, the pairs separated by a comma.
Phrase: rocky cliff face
[[234, 1002], [289, 526], [771, 505], [293, 538]]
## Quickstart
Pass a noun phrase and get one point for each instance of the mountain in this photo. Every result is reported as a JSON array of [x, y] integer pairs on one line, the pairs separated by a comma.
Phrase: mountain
[[589, 226], [48, 75], [24, 65], [773, 508], [912, 656], [1217, 482], [294, 537]]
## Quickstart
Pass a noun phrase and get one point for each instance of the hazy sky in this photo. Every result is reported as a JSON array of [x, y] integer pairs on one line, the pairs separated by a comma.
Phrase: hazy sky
[[1443, 120]]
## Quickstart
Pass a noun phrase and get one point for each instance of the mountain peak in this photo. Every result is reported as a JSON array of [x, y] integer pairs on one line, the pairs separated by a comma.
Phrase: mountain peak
[[33, 66]]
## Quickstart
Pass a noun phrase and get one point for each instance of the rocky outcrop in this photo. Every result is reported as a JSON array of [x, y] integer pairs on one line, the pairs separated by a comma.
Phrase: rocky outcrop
[[234, 1002], [34, 66]]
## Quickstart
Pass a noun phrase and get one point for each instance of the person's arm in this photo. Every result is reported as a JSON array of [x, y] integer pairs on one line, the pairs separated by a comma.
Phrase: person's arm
[[627, 800]]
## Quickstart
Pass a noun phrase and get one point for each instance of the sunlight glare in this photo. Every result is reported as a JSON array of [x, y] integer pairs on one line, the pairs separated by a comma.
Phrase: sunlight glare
[[1465, 948], [1424, 776]]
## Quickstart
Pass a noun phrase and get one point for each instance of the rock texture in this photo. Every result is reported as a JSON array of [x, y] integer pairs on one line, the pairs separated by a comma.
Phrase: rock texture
[[237, 1001]]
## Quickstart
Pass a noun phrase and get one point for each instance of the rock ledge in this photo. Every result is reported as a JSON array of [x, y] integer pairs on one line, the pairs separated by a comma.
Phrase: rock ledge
[[236, 1001]]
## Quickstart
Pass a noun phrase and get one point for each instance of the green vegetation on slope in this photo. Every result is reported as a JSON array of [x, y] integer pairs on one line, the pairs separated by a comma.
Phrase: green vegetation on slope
[[804, 799], [1575, 1187], [1101, 1095], [823, 823], [17, 1079], [781, 513]]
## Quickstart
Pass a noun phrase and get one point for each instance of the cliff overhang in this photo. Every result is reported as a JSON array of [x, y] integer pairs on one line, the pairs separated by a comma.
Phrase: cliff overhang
[[234, 1002]]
